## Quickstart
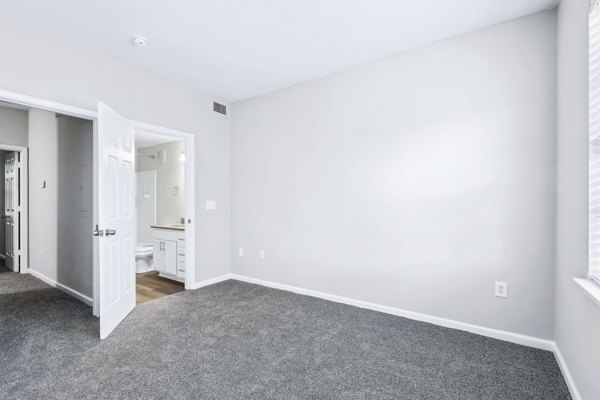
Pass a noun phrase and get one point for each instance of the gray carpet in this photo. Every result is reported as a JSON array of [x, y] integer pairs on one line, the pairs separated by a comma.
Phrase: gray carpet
[[235, 340], [42, 330]]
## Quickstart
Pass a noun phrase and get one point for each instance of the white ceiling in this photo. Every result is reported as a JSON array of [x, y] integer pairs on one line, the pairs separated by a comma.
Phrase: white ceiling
[[147, 139], [235, 49]]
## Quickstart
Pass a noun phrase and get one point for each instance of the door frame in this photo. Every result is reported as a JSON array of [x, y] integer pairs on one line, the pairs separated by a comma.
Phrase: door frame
[[23, 223], [190, 191]]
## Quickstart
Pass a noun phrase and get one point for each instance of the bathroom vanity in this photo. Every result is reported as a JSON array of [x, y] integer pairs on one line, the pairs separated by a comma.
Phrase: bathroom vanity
[[169, 251]]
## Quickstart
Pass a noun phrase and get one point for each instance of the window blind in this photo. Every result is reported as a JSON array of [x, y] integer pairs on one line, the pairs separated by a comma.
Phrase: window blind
[[594, 147]]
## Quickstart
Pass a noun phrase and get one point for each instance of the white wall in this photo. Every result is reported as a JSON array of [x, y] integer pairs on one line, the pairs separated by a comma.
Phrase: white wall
[[13, 126], [60, 219], [43, 203], [170, 208], [414, 182], [577, 317], [38, 65]]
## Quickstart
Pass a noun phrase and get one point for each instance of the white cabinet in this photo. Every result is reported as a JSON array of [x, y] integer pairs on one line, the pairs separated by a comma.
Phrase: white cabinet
[[169, 253]]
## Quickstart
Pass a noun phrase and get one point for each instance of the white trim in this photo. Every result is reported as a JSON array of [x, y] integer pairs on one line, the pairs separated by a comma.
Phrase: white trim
[[79, 296], [562, 364], [211, 281], [24, 209], [591, 289], [161, 130], [190, 209], [10, 147], [95, 221], [517, 338], [48, 105], [190, 195]]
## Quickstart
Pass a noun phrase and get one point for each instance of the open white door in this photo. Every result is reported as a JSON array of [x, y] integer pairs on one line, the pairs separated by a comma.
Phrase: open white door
[[116, 248]]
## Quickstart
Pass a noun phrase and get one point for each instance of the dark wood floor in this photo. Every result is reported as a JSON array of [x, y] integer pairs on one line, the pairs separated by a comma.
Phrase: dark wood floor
[[150, 286]]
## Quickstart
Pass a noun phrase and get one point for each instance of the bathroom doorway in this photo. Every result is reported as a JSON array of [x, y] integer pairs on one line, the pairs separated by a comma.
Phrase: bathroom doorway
[[160, 209]]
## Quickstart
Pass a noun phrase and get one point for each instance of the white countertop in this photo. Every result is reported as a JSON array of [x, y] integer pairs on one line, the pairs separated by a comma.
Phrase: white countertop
[[174, 227]]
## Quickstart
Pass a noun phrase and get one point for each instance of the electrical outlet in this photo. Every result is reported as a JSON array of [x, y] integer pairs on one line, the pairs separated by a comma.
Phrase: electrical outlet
[[261, 254], [241, 252], [501, 289], [211, 205]]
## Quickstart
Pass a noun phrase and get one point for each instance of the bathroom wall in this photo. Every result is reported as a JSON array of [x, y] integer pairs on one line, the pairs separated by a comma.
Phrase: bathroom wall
[[145, 205], [170, 202], [60, 154]]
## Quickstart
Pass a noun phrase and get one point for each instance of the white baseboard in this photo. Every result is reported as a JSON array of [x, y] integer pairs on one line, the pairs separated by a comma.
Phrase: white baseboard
[[210, 281], [566, 374], [79, 296], [517, 338]]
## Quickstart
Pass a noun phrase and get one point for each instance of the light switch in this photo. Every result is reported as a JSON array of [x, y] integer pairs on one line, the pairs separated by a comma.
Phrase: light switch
[[211, 205], [43, 184]]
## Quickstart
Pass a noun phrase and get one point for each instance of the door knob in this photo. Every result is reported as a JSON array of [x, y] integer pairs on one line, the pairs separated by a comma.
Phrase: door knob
[[111, 232], [97, 232]]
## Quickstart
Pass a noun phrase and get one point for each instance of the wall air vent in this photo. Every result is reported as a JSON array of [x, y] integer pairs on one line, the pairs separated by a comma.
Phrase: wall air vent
[[220, 108]]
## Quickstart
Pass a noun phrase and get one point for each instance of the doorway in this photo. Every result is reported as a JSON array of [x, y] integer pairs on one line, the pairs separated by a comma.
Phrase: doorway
[[53, 163], [160, 215], [13, 200], [112, 184]]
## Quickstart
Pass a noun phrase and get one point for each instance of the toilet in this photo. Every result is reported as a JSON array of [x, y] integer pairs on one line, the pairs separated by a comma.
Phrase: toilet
[[143, 257]]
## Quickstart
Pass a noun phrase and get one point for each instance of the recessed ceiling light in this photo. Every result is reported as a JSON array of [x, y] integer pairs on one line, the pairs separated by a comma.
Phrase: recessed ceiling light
[[140, 41]]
